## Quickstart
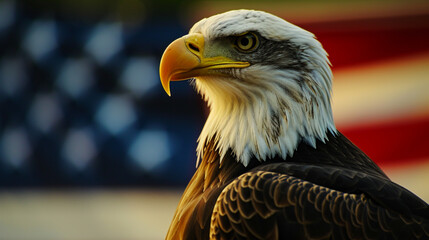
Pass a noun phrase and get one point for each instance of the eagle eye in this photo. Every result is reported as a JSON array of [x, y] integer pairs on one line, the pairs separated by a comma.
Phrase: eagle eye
[[247, 42]]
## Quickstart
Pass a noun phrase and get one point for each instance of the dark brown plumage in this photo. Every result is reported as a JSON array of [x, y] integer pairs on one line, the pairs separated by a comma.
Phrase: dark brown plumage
[[332, 192]]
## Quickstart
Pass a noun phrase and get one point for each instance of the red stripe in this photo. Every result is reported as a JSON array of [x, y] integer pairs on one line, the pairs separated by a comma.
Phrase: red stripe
[[393, 142], [359, 41]]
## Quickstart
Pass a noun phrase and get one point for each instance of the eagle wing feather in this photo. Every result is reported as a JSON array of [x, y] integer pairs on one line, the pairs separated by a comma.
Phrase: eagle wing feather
[[270, 204]]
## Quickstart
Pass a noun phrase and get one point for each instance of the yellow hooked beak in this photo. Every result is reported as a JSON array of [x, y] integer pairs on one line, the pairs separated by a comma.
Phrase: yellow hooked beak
[[184, 59]]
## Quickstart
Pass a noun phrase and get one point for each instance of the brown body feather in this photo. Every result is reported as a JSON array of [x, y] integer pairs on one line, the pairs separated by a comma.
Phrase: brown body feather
[[333, 191]]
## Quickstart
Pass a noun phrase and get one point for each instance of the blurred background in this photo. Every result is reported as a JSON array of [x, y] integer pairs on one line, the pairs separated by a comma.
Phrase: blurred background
[[92, 148]]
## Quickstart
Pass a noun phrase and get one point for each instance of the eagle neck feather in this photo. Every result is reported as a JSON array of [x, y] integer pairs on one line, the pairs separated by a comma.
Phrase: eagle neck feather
[[263, 117]]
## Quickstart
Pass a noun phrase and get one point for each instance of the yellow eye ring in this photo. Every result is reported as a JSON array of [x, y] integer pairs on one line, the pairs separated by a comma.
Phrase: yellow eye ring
[[247, 42]]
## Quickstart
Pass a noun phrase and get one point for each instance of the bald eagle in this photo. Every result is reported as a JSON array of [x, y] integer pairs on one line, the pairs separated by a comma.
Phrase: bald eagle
[[271, 163]]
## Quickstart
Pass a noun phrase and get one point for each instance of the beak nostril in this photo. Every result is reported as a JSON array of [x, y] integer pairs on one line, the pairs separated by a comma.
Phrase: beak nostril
[[193, 47]]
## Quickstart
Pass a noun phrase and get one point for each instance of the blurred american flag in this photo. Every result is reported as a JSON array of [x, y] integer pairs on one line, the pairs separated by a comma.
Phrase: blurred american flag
[[81, 107]]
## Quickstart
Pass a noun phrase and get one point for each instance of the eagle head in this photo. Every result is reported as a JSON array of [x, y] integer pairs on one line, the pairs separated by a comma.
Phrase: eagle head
[[267, 83]]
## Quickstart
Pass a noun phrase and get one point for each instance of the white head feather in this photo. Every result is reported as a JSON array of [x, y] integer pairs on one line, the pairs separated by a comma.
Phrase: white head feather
[[262, 111]]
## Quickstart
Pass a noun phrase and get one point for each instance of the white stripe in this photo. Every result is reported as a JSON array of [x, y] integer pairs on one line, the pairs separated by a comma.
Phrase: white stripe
[[377, 92]]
